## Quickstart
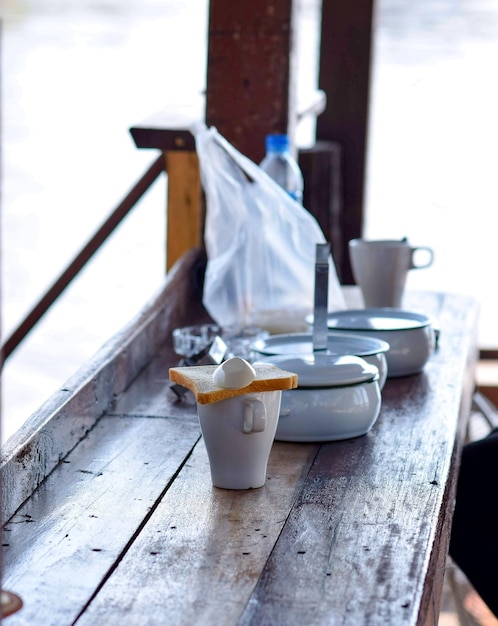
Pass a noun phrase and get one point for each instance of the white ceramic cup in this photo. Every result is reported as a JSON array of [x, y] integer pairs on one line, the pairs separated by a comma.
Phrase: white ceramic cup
[[380, 268], [238, 434]]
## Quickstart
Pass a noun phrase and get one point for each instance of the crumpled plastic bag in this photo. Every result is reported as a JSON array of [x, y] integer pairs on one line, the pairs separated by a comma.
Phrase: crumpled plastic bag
[[260, 244]]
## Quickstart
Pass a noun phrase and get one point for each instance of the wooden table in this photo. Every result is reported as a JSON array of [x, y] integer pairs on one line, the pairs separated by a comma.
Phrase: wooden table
[[127, 529]]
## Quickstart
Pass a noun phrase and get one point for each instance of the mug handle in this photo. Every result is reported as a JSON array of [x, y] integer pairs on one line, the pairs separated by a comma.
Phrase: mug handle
[[430, 251], [254, 416]]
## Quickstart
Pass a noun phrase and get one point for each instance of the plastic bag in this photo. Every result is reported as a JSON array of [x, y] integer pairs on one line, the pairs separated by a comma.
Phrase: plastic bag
[[260, 244]]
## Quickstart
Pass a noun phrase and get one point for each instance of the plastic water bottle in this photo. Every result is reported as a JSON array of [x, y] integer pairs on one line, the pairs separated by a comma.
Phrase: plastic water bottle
[[280, 165]]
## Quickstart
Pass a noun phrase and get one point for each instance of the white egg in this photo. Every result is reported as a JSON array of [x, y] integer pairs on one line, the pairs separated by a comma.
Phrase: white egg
[[234, 373]]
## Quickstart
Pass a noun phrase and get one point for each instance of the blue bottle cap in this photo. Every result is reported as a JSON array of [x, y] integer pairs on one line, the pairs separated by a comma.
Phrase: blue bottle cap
[[277, 143]]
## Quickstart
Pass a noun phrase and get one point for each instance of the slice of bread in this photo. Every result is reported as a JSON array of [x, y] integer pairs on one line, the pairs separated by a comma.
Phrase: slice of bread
[[199, 379]]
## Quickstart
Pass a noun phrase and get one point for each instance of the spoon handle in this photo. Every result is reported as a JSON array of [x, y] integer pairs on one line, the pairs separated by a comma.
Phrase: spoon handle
[[321, 296]]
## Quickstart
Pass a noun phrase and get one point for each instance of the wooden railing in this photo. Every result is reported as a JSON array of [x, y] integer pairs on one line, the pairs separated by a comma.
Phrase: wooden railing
[[81, 259]]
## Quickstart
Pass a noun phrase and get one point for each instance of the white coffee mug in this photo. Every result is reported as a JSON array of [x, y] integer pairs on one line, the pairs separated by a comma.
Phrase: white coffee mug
[[238, 434], [380, 268]]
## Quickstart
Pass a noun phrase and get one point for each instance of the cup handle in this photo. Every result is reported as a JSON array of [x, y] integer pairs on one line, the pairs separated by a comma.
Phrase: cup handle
[[428, 263], [254, 416]]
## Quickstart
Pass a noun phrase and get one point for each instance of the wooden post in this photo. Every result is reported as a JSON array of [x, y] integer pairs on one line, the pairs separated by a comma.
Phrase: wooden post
[[169, 132], [251, 73], [321, 167], [185, 211], [345, 60]]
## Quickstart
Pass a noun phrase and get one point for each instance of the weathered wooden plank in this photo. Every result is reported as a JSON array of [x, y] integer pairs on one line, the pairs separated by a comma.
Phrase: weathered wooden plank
[[52, 431], [60, 545], [199, 556], [374, 515], [463, 311], [356, 534], [149, 394], [320, 542]]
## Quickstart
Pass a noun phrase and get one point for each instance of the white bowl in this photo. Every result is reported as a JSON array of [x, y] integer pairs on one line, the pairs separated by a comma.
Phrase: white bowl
[[337, 397], [410, 335], [371, 349]]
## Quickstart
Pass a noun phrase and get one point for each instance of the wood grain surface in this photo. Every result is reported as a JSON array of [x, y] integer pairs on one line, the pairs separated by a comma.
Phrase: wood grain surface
[[60, 546], [199, 557], [128, 529], [52, 431]]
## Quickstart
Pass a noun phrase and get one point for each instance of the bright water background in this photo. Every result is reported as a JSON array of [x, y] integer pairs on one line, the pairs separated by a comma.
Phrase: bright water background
[[77, 75]]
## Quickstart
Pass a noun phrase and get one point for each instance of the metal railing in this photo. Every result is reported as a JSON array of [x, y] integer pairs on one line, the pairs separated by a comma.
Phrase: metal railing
[[82, 258]]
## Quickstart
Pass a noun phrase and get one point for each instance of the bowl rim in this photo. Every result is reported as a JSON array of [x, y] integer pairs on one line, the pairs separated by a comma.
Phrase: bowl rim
[[372, 345], [357, 320]]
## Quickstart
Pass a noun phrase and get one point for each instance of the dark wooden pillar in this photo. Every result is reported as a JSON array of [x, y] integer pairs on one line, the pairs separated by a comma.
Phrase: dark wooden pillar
[[251, 82], [345, 67], [321, 167]]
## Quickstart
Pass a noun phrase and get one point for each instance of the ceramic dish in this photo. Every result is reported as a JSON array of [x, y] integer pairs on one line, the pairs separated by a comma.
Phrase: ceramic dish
[[336, 398], [410, 335], [371, 349]]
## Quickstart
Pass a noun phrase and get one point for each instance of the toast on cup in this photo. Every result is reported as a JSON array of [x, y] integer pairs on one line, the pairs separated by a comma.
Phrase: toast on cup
[[199, 379]]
